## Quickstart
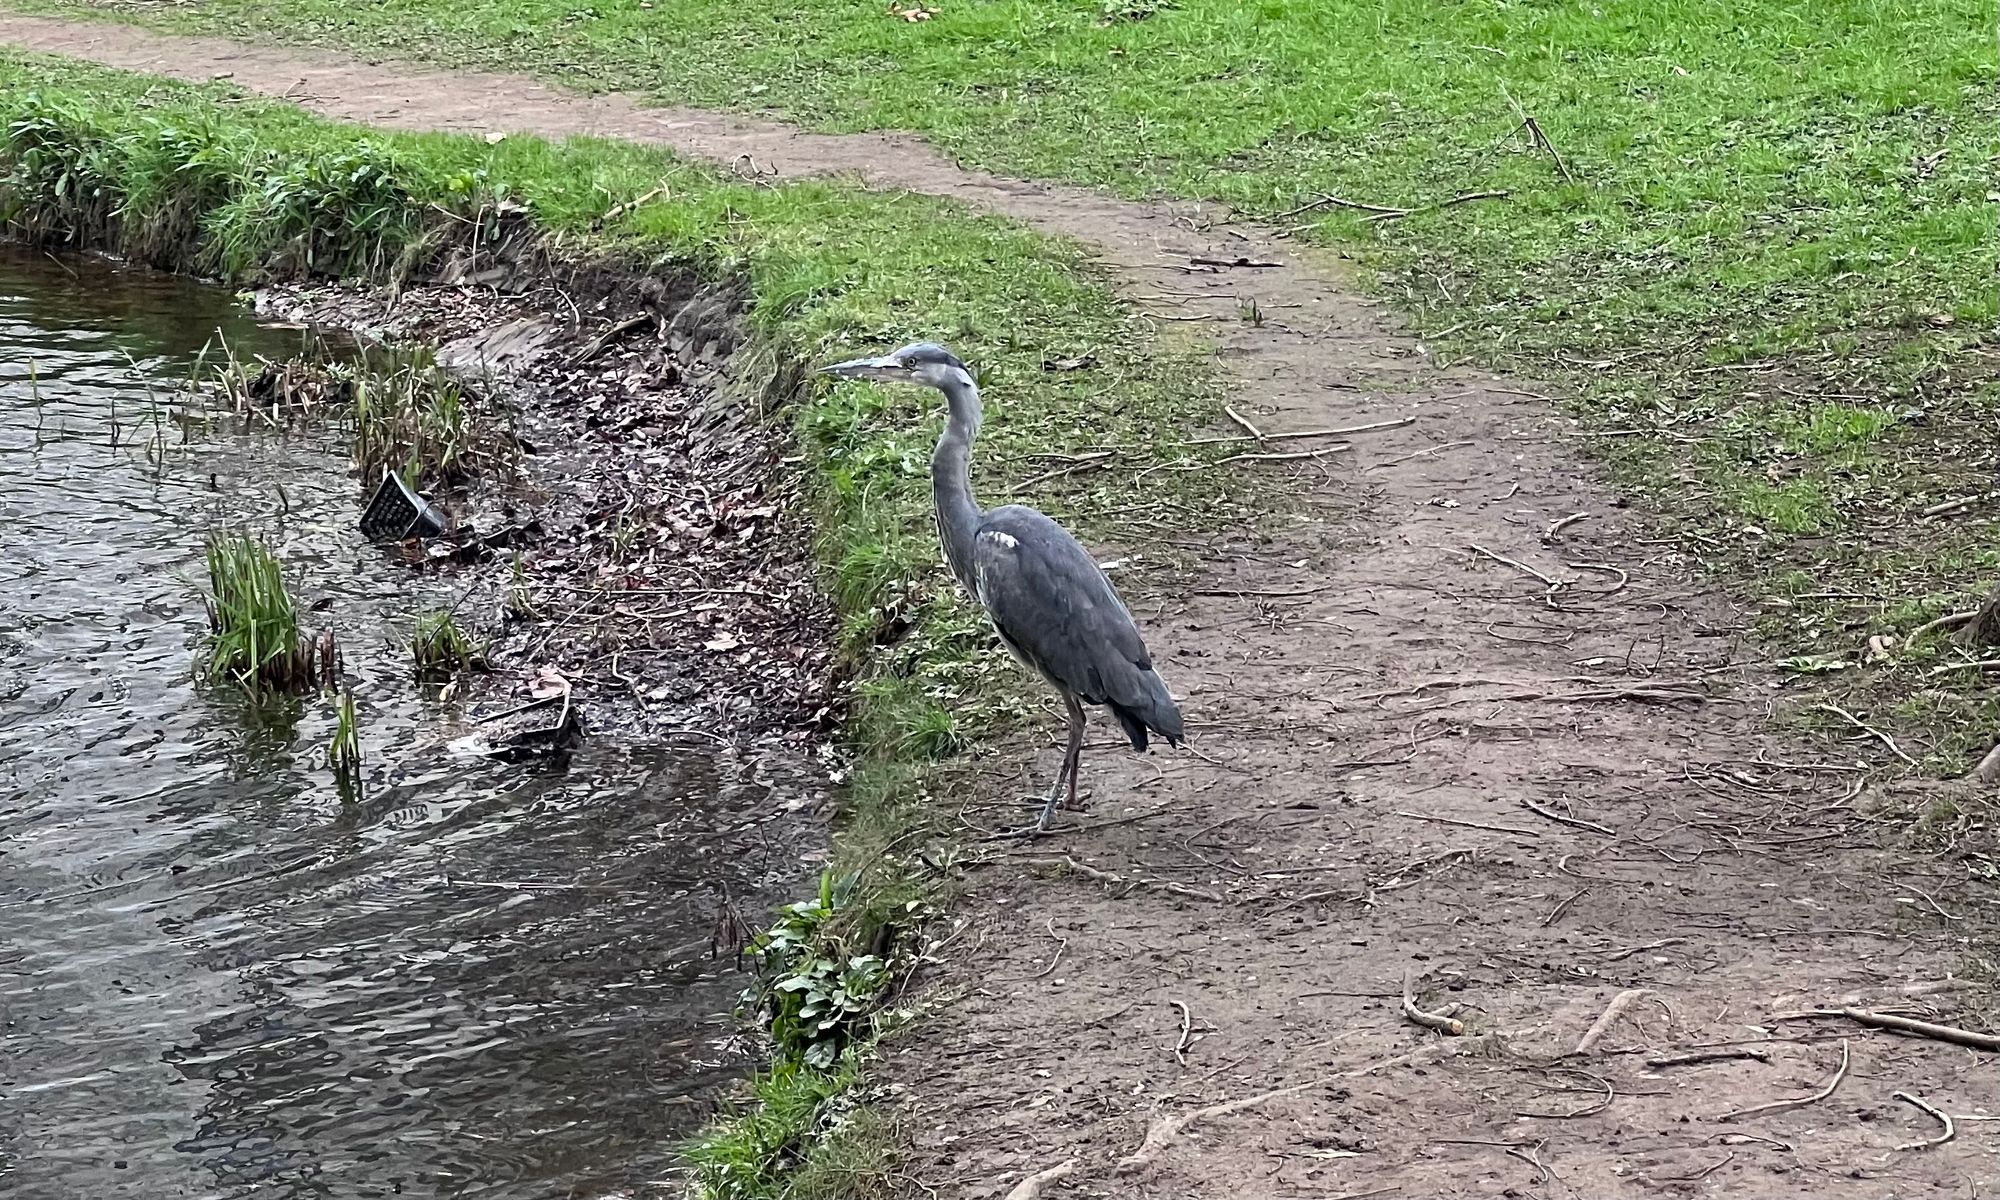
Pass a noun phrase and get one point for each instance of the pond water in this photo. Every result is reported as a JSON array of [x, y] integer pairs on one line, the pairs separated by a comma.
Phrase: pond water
[[216, 980]]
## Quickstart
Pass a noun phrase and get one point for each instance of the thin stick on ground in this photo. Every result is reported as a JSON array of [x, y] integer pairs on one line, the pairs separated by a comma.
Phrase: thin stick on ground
[[1688, 1058], [1031, 1187], [1088, 872], [1449, 1026], [1294, 434], [1516, 564], [1517, 830], [1778, 1106], [1587, 1044], [1187, 1027], [1950, 1130], [1950, 620], [1560, 819], [1244, 421], [1927, 1029], [1161, 1134], [1868, 729]]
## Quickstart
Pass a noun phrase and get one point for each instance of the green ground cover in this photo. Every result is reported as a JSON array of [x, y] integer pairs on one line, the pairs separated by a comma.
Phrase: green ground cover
[[1755, 243]]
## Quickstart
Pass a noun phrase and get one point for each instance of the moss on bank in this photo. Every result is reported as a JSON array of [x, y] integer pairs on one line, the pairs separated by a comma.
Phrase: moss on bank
[[207, 181]]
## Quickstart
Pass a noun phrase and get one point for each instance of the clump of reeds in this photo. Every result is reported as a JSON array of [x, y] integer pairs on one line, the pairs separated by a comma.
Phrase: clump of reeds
[[442, 649], [343, 753], [414, 420], [405, 416], [255, 641]]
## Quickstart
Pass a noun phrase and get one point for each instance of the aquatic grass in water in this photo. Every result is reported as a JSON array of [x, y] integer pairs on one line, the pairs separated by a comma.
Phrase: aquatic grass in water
[[255, 642], [441, 648], [343, 753]]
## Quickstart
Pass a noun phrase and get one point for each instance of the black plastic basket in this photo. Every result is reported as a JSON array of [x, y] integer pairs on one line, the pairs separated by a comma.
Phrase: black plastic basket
[[395, 512]]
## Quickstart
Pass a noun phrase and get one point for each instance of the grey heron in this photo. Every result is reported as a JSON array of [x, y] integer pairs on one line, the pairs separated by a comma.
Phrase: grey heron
[[1048, 599]]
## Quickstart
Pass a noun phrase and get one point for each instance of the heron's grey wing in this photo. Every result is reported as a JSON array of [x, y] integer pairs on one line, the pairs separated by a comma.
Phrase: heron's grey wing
[[1054, 607]]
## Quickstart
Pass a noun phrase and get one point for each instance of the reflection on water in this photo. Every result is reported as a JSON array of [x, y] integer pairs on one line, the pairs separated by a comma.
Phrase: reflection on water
[[214, 980]]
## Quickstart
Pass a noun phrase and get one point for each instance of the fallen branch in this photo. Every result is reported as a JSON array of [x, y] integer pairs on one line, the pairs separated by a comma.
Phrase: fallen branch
[[1517, 565], [1162, 1132], [1449, 1026], [1513, 829], [1031, 1187], [1950, 1130], [1461, 198], [1778, 1106], [1927, 1029], [1868, 729], [1255, 433], [1588, 1042], [1560, 819], [1556, 527], [1069, 864], [1629, 951], [1688, 1058], [1187, 1026], [618, 210], [1947, 621], [1337, 202], [604, 339], [1341, 431]]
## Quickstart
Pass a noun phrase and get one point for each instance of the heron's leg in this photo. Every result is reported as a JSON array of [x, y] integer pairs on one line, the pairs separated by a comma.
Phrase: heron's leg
[[1068, 769]]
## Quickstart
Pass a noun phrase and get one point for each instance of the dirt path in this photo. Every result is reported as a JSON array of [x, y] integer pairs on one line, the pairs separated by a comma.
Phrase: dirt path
[[1438, 735]]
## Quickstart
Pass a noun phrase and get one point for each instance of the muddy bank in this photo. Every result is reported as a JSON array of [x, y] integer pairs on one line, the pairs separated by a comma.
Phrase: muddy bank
[[483, 977]]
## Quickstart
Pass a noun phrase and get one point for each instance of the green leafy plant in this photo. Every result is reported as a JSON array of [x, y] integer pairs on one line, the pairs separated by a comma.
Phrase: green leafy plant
[[343, 752], [815, 991]]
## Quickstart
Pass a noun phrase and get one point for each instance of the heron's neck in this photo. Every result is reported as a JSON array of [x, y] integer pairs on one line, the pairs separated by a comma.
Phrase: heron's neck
[[958, 514]]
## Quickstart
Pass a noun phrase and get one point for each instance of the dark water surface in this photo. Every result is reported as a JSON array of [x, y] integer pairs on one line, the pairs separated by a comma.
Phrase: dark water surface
[[217, 981]]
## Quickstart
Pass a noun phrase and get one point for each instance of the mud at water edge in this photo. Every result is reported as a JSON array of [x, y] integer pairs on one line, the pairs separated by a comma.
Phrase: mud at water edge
[[223, 980]]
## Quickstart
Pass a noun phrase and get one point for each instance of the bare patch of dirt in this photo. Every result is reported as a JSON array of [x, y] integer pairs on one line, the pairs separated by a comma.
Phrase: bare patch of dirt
[[1447, 730]]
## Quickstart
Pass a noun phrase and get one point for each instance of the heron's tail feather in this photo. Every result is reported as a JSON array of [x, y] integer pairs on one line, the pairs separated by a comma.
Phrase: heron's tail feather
[[1153, 709]]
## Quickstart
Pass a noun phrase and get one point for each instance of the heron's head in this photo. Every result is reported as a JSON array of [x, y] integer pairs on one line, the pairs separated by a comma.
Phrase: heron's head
[[926, 364]]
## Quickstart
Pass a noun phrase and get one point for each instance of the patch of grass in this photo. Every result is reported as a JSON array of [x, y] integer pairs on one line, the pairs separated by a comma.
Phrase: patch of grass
[[441, 649], [255, 642], [832, 271], [799, 1137]]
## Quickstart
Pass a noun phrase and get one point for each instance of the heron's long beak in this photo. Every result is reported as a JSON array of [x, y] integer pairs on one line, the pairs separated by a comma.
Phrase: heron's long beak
[[886, 367]]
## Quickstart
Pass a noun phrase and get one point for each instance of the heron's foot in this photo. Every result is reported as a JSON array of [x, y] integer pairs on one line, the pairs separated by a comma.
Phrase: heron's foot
[[1080, 804]]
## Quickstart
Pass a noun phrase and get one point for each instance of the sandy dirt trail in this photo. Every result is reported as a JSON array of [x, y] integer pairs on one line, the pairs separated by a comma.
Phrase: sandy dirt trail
[[1449, 730]]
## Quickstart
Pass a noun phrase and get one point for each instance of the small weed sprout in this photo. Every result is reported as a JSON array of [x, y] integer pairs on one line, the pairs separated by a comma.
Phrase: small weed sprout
[[343, 753]]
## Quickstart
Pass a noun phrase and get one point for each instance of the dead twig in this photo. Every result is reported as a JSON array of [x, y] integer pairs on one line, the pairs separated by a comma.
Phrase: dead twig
[[1162, 1132], [1337, 202], [1556, 527], [1031, 1187], [1950, 1130], [1555, 914], [1560, 819], [1868, 729], [1449, 1026], [1778, 1106], [1513, 829], [1518, 565], [1341, 431], [1187, 1027], [1587, 1044], [1244, 421], [1059, 951], [1948, 621], [1621, 955], [1916, 1028], [1461, 198], [1687, 1058], [1069, 864], [1727, 1158]]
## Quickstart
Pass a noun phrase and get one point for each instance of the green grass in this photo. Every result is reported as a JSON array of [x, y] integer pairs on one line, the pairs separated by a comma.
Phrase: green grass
[[201, 179], [1763, 268], [255, 642], [440, 648]]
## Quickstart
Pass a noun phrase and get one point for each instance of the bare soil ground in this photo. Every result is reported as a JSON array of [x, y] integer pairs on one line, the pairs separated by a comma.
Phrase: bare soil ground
[[1445, 729]]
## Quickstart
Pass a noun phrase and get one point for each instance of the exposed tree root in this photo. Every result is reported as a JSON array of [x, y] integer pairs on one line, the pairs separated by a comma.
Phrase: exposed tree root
[[1162, 1133], [1031, 1187]]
